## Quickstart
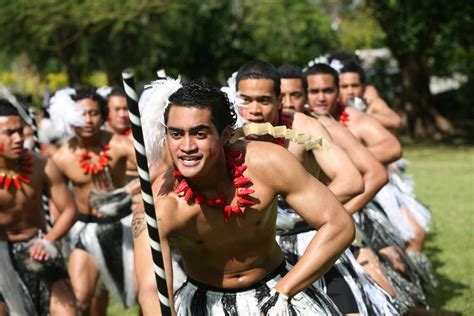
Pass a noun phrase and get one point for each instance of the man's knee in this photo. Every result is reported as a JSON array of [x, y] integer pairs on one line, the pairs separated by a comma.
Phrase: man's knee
[[62, 300]]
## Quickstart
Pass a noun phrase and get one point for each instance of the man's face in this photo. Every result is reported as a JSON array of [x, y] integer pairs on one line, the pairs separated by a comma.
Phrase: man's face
[[350, 86], [193, 140], [293, 97], [11, 137], [322, 94], [92, 117], [260, 104], [118, 114]]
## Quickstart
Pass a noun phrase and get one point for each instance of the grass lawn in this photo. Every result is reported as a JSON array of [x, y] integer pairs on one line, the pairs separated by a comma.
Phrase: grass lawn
[[445, 182]]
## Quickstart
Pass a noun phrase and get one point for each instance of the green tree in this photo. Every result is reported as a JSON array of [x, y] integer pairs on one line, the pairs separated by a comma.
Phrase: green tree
[[426, 37], [283, 32]]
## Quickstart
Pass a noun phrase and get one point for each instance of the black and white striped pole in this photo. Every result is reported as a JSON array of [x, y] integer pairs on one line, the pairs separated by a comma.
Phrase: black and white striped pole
[[37, 149], [34, 127], [147, 195]]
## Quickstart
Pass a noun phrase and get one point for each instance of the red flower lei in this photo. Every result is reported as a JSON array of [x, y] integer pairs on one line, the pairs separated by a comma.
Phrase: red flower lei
[[127, 132], [95, 168], [234, 159], [344, 117], [9, 177]]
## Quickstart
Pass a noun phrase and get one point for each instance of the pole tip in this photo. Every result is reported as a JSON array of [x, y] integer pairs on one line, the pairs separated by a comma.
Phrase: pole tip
[[127, 73]]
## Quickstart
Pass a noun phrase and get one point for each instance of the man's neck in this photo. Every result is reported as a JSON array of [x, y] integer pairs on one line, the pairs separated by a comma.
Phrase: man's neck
[[113, 130], [8, 164], [93, 141]]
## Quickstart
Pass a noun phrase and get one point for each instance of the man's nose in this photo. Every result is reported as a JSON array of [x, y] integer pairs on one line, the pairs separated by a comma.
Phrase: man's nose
[[286, 101], [321, 96], [123, 113], [87, 117], [188, 144], [255, 108]]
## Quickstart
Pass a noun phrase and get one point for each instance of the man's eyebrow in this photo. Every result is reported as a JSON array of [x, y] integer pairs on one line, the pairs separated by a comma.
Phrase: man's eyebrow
[[200, 127], [192, 129], [244, 95], [174, 129]]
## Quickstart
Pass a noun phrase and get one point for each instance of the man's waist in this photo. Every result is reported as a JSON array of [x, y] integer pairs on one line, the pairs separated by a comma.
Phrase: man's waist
[[241, 282], [89, 218]]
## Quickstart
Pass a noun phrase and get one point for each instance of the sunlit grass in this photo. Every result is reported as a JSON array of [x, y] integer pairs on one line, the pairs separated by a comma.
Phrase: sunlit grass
[[445, 182]]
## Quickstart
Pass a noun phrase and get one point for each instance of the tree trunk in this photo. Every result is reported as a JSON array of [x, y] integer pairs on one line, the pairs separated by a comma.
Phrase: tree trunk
[[423, 119]]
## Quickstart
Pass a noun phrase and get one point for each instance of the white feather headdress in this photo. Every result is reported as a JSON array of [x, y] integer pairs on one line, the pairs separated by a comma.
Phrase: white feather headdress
[[104, 91], [234, 98], [64, 112], [152, 105], [324, 59], [47, 132]]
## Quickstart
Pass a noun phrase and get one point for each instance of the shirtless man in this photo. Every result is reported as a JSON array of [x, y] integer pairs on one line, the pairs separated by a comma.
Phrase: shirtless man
[[233, 259], [352, 85], [293, 84], [28, 254], [258, 85], [323, 101], [94, 161], [293, 91], [118, 121]]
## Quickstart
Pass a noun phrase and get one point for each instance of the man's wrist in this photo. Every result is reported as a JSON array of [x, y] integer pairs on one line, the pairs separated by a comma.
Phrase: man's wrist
[[281, 290]]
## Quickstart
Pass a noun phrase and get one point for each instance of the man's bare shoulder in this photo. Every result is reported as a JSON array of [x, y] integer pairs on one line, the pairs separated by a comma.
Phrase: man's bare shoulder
[[118, 140], [328, 122], [264, 159], [356, 116], [65, 153], [164, 197], [311, 126], [303, 121]]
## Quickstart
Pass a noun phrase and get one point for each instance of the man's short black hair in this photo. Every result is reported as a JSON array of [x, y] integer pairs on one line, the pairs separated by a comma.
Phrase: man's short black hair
[[258, 69], [200, 94], [354, 67], [7, 109], [322, 69], [90, 93], [290, 71], [116, 92]]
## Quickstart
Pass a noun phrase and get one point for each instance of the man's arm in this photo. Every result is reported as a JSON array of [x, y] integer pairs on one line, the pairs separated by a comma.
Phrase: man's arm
[[344, 181], [144, 271], [384, 114], [378, 140], [373, 172], [318, 206], [62, 198]]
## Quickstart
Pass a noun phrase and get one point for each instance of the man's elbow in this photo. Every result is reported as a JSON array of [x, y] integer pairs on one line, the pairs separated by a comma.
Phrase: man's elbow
[[349, 230], [148, 299], [351, 186], [397, 151], [376, 179]]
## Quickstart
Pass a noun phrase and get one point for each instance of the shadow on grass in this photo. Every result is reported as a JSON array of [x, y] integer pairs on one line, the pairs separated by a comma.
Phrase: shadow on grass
[[447, 288]]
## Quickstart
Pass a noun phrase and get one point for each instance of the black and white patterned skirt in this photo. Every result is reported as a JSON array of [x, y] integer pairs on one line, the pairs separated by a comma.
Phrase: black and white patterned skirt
[[196, 299]]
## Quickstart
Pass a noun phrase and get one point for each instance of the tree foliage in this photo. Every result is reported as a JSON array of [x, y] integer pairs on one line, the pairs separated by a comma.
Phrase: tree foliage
[[198, 39], [424, 36]]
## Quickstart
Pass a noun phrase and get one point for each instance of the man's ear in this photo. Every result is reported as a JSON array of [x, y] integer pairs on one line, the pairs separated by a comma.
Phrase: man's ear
[[226, 135]]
